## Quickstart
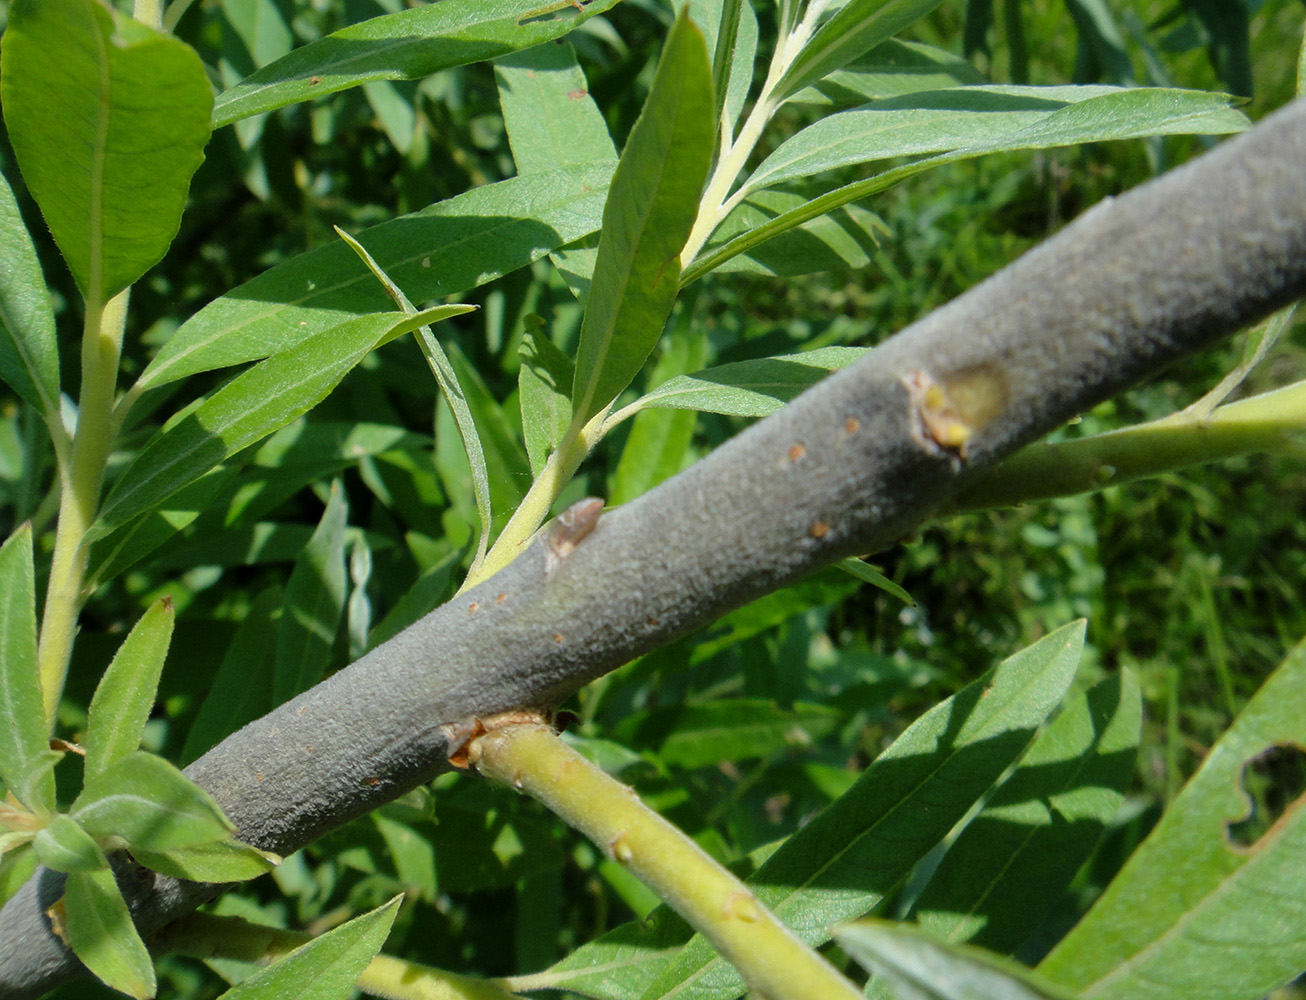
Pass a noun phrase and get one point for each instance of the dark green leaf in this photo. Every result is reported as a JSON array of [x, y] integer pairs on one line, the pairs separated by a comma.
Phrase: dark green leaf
[[108, 119], [124, 697], [410, 45], [315, 600], [29, 354], [100, 932], [25, 756], [651, 206]]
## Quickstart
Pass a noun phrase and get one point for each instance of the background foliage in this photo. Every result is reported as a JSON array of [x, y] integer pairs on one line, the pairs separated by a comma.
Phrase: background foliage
[[363, 511]]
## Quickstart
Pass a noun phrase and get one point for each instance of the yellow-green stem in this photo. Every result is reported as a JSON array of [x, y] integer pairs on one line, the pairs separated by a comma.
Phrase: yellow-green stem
[[149, 12], [772, 961], [80, 480], [534, 508]]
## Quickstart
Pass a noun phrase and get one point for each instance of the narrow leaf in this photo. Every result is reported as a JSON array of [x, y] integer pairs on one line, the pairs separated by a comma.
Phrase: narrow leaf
[[861, 848], [147, 802], [315, 601], [108, 119], [750, 388], [466, 241], [996, 884], [410, 45], [253, 405], [650, 209], [920, 967], [125, 695], [869, 574], [25, 756], [890, 69], [857, 28], [1193, 914], [218, 861], [548, 113], [63, 846], [99, 929], [29, 353], [843, 240], [543, 385], [326, 967]]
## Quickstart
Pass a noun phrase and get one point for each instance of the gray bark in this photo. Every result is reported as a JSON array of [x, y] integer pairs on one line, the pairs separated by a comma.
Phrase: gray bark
[[847, 468]]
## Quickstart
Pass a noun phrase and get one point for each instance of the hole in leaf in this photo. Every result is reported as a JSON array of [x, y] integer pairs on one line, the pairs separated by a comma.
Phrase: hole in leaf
[[1272, 782]]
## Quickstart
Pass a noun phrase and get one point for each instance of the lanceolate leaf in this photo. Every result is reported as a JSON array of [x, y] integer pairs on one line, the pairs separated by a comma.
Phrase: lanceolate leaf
[[857, 28], [218, 861], [990, 118], [650, 209], [100, 932], [250, 407], [64, 846], [922, 968], [147, 802], [25, 756], [29, 355], [449, 247], [125, 695], [890, 69], [325, 968], [406, 46], [1191, 914], [88, 94], [1120, 114], [860, 849]]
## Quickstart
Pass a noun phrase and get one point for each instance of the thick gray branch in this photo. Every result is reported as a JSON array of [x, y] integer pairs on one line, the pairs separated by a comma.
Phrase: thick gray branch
[[847, 468]]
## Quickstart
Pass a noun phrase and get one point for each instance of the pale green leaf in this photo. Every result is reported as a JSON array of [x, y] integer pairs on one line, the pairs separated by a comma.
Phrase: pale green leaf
[[890, 69], [99, 929], [857, 28], [466, 241], [869, 574], [326, 967], [29, 353], [920, 967], [64, 846], [124, 697], [410, 45], [314, 603], [109, 120], [25, 756], [1192, 914], [145, 801], [651, 206], [217, 861], [842, 240], [257, 402], [543, 384]]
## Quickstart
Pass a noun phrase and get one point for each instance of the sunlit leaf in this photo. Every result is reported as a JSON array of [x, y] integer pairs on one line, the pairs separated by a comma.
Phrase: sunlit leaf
[[99, 929]]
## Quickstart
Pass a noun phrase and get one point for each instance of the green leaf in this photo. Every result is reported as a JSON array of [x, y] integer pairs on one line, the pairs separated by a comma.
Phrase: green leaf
[[548, 113], [842, 240], [857, 28], [1192, 914], [99, 930], [326, 967], [315, 600], [64, 846], [869, 574], [124, 697], [451, 246], [29, 353], [991, 118], [410, 45], [26, 759], [996, 884], [750, 388], [217, 861], [651, 206], [543, 383], [919, 967], [694, 736], [251, 406], [108, 119], [1119, 114], [890, 69], [864, 845], [624, 962], [148, 803]]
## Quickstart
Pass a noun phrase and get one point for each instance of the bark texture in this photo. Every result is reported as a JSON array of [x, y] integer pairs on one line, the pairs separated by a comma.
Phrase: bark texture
[[849, 467]]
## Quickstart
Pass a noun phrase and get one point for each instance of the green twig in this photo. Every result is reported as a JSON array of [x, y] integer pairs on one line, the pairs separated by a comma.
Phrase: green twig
[[773, 962]]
